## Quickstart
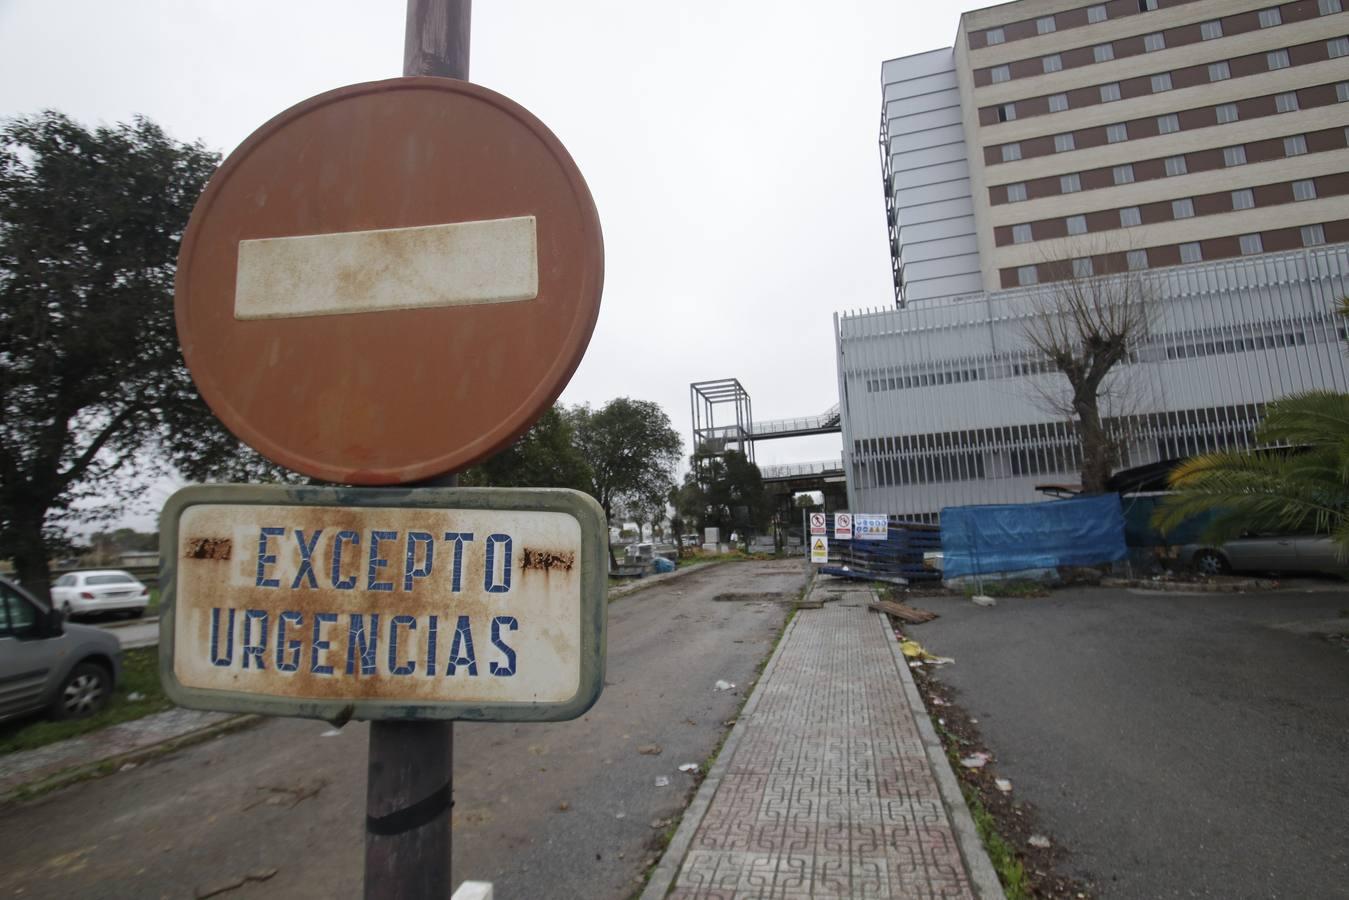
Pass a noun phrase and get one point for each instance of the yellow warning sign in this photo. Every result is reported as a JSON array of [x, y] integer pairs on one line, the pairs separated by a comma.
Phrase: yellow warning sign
[[819, 549]]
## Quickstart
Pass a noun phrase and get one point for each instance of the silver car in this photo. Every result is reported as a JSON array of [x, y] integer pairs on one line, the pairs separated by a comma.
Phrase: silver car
[[47, 664], [1266, 553]]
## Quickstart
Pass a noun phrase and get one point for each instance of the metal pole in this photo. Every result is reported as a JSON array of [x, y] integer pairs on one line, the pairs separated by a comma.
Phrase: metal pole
[[410, 770]]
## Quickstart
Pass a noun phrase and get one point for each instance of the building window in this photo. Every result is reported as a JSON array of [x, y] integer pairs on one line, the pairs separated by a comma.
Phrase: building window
[[1044, 25], [1082, 267], [1270, 17], [1277, 59], [1147, 5], [1052, 63], [1124, 174], [1338, 47], [1026, 275], [1226, 113], [1251, 244], [1116, 133], [1103, 52], [1011, 152], [1070, 184], [1211, 30], [1021, 234], [1154, 42], [1161, 82], [1138, 259], [1234, 156], [1175, 165], [1058, 102], [994, 36], [1016, 192], [1219, 71], [1000, 74], [1295, 145], [1243, 199], [1313, 235], [1006, 112], [1342, 92], [1130, 217], [1168, 124], [1098, 14], [1109, 93], [1190, 253], [1063, 143], [1285, 102], [1182, 208], [1304, 190], [1329, 7], [1076, 224]]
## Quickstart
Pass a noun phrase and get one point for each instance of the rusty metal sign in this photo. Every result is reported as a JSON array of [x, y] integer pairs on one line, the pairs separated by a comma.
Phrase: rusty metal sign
[[333, 603], [390, 281]]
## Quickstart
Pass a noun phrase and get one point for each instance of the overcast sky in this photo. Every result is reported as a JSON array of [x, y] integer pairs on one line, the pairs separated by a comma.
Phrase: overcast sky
[[731, 146]]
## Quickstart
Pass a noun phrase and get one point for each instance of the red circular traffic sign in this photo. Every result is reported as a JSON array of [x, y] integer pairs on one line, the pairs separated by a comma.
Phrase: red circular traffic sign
[[390, 281]]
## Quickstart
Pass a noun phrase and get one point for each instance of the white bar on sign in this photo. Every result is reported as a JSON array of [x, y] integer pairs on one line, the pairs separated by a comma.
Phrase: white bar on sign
[[456, 264]]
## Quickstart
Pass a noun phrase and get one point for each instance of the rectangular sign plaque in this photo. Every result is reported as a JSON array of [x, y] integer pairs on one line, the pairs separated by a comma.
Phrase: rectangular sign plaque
[[449, 603]]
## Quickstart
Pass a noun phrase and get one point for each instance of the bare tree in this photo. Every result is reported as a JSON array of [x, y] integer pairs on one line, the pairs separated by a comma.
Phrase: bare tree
[[1085, 326]]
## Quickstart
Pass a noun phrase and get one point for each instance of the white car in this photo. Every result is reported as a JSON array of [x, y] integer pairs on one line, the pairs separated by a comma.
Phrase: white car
[[100, 591]]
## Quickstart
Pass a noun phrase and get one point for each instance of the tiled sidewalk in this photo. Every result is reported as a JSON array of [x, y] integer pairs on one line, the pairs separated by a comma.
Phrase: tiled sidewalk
[[825, 788]]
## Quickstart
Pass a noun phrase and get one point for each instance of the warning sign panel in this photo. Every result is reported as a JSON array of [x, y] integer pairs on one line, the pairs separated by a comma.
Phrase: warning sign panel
[[819, 549], [842, 526], [817, 525]]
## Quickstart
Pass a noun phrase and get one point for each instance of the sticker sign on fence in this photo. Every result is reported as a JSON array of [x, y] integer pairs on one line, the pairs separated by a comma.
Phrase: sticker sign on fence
[[870, 528], [817, 524], [819, 549], [842, 526]]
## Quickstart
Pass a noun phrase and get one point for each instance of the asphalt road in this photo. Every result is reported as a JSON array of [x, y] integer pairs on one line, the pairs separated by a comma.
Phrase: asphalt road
[[1177, 745], [560, 810], [132, 634]]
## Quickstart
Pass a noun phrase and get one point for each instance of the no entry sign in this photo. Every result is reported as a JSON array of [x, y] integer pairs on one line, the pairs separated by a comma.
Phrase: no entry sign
[[389, 281]]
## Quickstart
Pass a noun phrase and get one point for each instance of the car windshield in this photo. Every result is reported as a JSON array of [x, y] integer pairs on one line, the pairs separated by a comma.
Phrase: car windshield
[[109, 579]]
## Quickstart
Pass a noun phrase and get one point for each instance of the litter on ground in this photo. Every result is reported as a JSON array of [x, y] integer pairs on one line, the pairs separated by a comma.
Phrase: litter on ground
[[1003, 785], [975, 760], [724, 685]]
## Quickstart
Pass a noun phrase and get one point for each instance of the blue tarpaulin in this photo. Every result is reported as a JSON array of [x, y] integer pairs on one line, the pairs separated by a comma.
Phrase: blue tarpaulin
[[1082, 531]]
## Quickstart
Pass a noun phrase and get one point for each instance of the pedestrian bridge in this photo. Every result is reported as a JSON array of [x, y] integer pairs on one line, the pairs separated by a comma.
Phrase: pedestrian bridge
[[791, 471]]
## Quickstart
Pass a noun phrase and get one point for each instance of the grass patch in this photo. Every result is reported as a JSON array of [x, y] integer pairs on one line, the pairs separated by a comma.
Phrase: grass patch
[[1010, 871], [140, 674], [1015, 588]]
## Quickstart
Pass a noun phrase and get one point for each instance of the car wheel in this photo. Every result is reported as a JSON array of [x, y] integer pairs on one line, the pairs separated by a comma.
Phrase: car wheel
[[1211, 562], [86, 691]]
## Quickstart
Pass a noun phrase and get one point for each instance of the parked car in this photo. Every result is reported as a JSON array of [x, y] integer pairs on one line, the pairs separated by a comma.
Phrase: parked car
[[100, 591], [1266, 553], [68, 670]]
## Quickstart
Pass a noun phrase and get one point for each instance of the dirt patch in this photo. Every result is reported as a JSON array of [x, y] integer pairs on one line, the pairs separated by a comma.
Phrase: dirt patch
[[1015, 818]]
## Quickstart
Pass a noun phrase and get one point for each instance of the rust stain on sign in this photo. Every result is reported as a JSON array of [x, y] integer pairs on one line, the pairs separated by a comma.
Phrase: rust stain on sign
[[209, 548], [547, 560]]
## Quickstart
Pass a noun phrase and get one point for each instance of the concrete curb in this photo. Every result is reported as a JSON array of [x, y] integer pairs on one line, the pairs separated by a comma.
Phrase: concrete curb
[[109, 764], [664, 874], [1191, 587], [983, 877], [641, 584]]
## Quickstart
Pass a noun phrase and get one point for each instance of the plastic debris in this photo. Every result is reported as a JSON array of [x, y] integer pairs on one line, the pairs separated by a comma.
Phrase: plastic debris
[[937, 701], [724, 686], [662, 781], [975, 760], [914, 650], [127, 767], [621, 815], [689, 767], [1003, 785], [649, 749], [939, 661], [915, 664], [1039, 840], [983, 600], [331, 732], [135, 697]]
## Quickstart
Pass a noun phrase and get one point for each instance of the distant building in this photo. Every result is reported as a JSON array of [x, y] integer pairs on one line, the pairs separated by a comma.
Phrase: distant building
[[1203, 146]]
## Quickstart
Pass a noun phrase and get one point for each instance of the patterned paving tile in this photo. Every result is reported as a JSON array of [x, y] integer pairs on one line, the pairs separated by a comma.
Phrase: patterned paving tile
[[829, 792]]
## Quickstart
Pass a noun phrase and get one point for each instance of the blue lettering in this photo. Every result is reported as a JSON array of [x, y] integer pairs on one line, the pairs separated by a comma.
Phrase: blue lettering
[[509, 668], [216, 659], [358, 639], [282, 647], [266, 559], [415, 538], [306, 559], [411, 665], [459, 538], [489, 582], [320, 645], [377, 562], [250, 650], [432, 626], [343, 537], [461, 651]]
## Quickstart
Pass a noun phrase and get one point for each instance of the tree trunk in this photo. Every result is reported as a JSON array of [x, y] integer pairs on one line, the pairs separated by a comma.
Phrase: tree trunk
[[29, 554], [608, 517], [1096, 455]]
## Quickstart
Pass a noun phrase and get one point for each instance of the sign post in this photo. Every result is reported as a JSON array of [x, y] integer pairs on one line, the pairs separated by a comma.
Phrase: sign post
[[382, 285]]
